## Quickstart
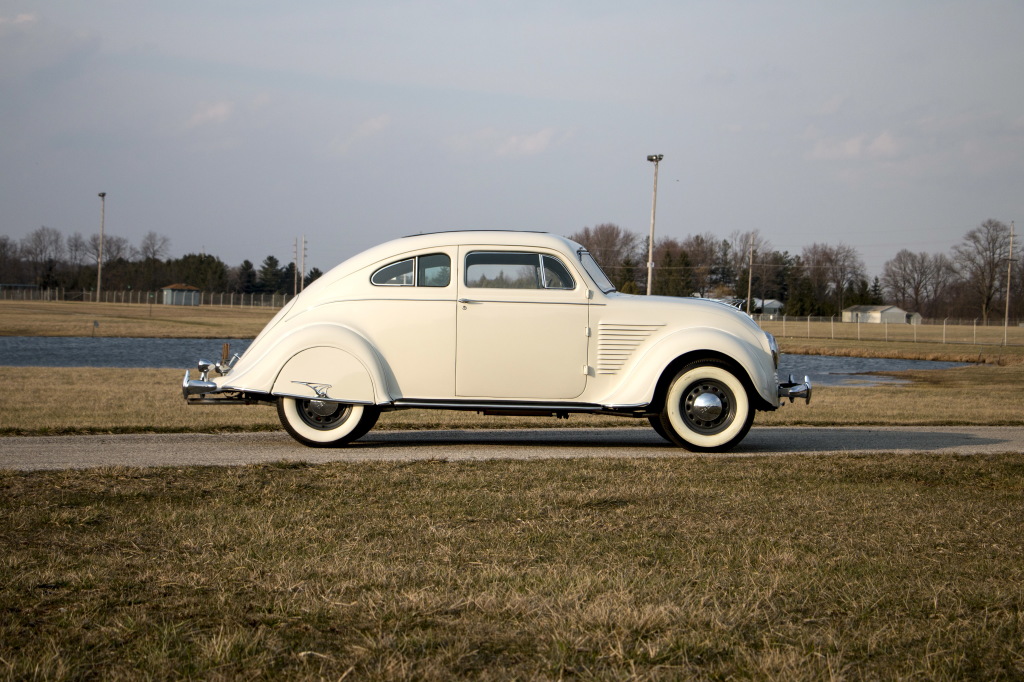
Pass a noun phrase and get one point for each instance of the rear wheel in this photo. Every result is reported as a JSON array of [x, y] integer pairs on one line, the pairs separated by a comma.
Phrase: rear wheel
[[707, 408], [321, 423]]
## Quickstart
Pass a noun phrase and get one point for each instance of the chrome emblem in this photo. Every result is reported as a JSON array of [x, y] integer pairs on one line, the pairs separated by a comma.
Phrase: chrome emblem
[[319, 389]]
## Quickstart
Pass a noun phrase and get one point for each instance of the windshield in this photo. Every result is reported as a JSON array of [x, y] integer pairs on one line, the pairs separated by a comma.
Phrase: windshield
[[595, 272]]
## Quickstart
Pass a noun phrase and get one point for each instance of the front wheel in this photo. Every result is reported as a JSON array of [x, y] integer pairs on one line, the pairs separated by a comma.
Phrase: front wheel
[[707, 408], [321, 423]]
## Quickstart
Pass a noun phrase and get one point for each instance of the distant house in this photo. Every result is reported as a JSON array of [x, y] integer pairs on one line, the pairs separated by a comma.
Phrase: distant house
[[877, 314], [768, 306], [180, 294]]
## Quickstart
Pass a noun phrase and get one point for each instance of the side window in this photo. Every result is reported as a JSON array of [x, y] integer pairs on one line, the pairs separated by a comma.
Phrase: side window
[[511, 270], [395, 275], [433, 270], [502, 270], [556, 275]]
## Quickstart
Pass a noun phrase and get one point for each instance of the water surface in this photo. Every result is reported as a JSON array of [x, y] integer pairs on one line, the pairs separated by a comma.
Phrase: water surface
[[59, 351]]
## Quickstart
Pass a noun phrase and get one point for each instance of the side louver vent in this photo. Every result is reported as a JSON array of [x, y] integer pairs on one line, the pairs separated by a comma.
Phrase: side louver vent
[[616, 344]]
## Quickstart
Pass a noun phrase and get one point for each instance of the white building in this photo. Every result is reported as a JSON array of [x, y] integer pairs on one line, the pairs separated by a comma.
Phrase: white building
[[877, 314]]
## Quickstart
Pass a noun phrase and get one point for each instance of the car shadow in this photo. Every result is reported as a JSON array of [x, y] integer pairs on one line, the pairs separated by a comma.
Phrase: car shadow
[[765, 440]]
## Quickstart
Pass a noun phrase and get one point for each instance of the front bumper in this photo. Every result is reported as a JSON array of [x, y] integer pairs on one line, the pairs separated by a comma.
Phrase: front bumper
[[793, 389]]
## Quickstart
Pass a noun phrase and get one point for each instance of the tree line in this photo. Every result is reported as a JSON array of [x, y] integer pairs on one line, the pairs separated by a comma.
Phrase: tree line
[[822, 280], [46, 259]]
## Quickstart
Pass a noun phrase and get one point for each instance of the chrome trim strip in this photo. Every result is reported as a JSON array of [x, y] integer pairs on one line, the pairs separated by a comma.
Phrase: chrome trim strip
[[496, 405]]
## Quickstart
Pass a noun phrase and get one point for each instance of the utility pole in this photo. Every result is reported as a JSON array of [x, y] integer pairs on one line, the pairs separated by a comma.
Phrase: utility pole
[[99, 256], [655, 159], [1009, 273], [302, 273], [750, 271]]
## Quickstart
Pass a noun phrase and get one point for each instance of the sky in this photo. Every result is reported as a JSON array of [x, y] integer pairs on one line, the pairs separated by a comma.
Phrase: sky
[[235, 128]]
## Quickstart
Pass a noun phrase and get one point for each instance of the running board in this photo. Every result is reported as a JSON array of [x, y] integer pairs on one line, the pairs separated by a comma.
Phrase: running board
[[511, 407]]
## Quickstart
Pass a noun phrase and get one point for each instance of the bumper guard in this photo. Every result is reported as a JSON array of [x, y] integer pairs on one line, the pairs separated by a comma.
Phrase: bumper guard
[[792, 389]]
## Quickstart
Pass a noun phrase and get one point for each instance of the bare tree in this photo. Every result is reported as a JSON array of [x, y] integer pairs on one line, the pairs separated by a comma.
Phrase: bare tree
[[10, 260], [77, 249], [917, 281], [154, 246], [938, 291], [702, 251], [981, 261], [43, 248], [750, 252], [114, 248], [616, 249], [905, 278]]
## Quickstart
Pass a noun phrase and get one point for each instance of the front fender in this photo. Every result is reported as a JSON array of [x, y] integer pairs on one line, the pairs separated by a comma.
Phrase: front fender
[[639, 385], [314, 355]]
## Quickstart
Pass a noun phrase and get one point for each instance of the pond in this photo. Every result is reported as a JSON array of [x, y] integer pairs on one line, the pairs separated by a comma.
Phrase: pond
[[87, 351], [826, 370], [37, 351]]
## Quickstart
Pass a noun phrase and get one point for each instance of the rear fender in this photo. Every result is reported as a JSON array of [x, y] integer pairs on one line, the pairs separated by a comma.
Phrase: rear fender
[[326, 373], [316, 355]]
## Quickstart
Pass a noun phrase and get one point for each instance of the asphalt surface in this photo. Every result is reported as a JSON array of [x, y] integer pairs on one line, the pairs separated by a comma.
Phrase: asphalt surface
[[145, 450]]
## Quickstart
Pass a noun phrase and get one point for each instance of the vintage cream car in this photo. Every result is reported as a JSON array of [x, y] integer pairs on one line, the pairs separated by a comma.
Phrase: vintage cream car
[[499, 322]]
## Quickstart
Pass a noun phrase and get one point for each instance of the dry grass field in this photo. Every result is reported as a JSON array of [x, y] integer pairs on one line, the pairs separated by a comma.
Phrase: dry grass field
[[59, 318], [62, 400], [797, 568]]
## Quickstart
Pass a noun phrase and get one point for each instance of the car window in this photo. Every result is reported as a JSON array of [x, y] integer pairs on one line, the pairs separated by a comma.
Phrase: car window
[[595, 271], [556, 275], [516, 270], [432, 270], [395, 275]]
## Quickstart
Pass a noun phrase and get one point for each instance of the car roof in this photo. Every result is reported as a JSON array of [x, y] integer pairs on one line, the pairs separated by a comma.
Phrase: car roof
[[417, 242]]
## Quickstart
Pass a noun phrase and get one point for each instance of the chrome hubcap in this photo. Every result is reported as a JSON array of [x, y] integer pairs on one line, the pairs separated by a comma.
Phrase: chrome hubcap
[[322, 408], [707, 407]]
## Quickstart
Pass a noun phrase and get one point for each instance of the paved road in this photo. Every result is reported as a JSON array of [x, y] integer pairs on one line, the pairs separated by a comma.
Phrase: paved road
[[71, 452]]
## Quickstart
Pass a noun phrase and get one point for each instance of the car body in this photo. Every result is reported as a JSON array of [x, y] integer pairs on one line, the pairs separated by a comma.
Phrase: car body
[[501, 322]]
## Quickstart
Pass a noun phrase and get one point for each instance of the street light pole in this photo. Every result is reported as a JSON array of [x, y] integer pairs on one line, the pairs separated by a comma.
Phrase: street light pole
[[655, 159], [99, 257]]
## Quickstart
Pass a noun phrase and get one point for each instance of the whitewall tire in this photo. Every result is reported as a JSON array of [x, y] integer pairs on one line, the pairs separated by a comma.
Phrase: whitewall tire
[[320, 423], [707, 408]]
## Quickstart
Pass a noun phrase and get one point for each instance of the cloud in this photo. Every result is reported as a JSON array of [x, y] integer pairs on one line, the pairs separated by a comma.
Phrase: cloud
[[371, 127], [19, 19], [884, 145], [507, 145], [38, 52], [211, 113], [832, 106]]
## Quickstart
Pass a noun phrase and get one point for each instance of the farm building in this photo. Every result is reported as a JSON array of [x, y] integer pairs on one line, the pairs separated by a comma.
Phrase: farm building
[[877, 314], [180, 294]]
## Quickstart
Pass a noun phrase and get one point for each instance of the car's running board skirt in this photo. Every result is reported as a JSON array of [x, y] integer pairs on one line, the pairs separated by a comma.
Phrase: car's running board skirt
[[503, 407]]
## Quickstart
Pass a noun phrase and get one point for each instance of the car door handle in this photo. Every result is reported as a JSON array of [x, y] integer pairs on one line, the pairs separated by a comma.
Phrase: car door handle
[[467, 300]]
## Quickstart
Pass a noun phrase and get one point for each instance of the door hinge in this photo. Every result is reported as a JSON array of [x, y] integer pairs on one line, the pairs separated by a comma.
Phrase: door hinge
[[586, 332], [586, 370]]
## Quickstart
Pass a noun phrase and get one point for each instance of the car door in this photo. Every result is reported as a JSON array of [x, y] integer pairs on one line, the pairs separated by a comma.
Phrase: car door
[[521, 326]]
